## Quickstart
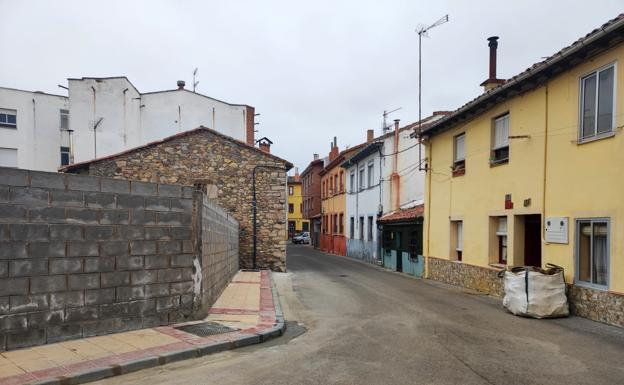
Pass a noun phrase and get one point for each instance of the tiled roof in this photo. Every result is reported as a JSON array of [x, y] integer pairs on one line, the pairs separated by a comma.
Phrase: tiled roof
[[590, 45], [403, 215]]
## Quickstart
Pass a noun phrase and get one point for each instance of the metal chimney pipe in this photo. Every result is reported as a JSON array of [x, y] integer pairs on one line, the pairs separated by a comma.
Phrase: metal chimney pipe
[[493, 44]]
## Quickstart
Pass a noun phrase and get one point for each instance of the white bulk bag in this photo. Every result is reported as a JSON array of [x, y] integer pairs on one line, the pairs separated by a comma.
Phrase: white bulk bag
[[536, 293]]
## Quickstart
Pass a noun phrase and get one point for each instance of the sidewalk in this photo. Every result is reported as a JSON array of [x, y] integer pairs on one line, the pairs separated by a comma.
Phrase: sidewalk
[[248, 304]]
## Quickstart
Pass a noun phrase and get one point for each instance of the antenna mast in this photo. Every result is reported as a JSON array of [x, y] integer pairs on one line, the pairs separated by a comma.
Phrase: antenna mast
[[385, 126], [195, 83]]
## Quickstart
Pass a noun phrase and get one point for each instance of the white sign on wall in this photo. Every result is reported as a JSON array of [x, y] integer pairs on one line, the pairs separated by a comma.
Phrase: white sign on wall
[[556, 229]]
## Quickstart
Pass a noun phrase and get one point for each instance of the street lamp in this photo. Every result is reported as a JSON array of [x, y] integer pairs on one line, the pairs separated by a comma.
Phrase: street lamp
[[423, 31]]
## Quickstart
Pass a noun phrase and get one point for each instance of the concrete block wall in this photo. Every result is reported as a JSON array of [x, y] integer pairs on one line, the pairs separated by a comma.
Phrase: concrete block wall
[[83, 256]]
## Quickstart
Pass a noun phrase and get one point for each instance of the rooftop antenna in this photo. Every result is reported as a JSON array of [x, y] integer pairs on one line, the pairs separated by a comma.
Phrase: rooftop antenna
[[95, 126], [195, 83], [385, 127], [422, 31]]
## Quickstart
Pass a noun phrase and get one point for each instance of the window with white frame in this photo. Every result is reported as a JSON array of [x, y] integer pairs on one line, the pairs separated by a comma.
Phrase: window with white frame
[[592, 251], [64, 119], [459, 239], [361, 179], [371, 174], [352, 181], [8, 157], [597, 103], [8, 118], [500, 140], [501, 233], [459, 154]]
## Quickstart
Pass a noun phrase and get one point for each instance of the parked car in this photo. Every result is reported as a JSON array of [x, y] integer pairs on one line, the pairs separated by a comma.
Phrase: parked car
[[303, 237]]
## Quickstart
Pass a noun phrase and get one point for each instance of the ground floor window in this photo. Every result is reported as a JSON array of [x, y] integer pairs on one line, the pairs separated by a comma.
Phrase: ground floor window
[[592, 251], [305, 226], [351, 227], [361, 228], [341, 224], [370, 228], [457, 239], [335, 224], [501, 233]]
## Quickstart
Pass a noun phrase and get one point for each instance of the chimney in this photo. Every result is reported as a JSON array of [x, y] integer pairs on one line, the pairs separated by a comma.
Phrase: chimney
[[297, 177], [181, 84], [492, 81], [264, 144], [333, 153], [370, 135], [315, 156]]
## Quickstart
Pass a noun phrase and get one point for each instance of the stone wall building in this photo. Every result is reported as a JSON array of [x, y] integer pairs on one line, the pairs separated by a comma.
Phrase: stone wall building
[[223, 167]]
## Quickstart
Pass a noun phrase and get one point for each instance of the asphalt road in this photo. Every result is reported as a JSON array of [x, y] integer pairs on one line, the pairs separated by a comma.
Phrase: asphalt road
[[370, 326]]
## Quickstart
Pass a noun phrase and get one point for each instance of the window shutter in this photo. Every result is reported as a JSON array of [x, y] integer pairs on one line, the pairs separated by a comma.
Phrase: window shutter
[[460, 147], [460, 236], [502, 226], [501, 132]]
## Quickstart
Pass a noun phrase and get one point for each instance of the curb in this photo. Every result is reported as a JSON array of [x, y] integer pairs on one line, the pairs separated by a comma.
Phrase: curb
[[157, 360]]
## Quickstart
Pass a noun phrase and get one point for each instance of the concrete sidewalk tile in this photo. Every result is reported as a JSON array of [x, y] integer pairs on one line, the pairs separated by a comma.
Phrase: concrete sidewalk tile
[[112, 345], [9, 370]]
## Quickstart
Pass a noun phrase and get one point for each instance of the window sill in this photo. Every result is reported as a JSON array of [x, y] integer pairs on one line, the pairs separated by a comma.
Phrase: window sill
[[501, 266], [588, 285], [596, 137], [458, 172], [496, 163], [13, 126]]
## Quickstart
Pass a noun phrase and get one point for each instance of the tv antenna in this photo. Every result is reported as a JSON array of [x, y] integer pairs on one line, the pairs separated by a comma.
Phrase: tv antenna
[[195, 83], [384, 125]]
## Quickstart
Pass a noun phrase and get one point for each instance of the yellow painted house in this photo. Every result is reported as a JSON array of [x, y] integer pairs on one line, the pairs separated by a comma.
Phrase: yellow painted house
[[532, 172], [296, 223]]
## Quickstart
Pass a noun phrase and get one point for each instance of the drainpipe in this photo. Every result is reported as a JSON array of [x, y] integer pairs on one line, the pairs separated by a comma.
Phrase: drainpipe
[[357, 195], [395, 178], [34, 130], [429, 171], [545, 164]]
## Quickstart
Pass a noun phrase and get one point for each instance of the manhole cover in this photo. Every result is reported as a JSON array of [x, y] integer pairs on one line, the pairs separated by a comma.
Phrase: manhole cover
[[205, 329]]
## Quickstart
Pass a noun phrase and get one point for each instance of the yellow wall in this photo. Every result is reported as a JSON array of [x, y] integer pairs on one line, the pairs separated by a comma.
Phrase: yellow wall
[[582, 180], [296, 199], [335, 201]]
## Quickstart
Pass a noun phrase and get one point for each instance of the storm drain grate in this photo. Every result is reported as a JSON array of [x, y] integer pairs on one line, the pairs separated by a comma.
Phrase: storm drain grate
[[206, 329]]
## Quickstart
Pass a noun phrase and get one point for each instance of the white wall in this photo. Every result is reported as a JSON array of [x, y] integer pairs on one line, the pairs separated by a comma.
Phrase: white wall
[[37, 137]]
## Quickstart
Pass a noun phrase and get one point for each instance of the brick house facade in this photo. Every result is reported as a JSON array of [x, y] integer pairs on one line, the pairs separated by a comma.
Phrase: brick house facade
[[222, 166], [311, 192]]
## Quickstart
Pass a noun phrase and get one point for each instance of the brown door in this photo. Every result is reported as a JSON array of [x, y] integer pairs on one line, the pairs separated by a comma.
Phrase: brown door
[[532, 240]]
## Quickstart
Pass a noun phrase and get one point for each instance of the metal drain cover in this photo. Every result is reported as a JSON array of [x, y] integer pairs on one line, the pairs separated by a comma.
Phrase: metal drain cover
[[205, 329]]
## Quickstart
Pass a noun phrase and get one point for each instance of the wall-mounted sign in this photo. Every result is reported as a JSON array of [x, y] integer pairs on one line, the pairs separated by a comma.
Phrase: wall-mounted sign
[[556, 229]]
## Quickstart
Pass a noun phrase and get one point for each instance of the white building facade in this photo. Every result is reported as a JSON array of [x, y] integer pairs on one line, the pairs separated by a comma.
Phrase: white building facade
[[104, 116]]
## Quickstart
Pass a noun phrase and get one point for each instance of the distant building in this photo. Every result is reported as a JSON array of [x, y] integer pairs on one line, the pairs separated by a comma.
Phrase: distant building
[[311, 192], [103, 116], [296, 222], [223, 168]]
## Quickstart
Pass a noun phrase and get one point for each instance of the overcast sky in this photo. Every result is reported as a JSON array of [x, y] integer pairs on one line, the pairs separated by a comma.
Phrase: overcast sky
[[312, 69]]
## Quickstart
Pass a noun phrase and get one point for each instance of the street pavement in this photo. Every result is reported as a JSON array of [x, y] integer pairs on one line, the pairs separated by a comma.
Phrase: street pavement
[[370, 326]]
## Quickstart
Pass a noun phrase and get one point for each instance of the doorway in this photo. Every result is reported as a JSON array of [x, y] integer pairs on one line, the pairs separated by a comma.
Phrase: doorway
[[533, 240]]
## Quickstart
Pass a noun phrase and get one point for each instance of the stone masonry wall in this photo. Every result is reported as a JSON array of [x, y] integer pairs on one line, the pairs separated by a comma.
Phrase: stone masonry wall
[[224, 167], [461, 274], [83, 256]]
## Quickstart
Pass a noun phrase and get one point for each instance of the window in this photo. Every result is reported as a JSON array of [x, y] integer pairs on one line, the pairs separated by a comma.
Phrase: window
[[335, 224], [592, 251], [597, 97], [370, 228], [352, 181], [64, 156], [341, 224], [341, 181], [500, 146], [8, 157], [501, 233], [8, 118], [371, 174], [300, 207], [361, 178], [305, 226], [351, 227], [361, 228], [458, 244], [459, 155], [64, 119], [291, 208], [291, 190], [336, 184]]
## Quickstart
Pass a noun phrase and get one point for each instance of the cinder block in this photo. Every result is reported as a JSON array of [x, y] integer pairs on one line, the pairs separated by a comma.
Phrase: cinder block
[[99, 264], [168, 190], [47, 179], [99, 327], [156, 261], [100, 200], [156, 290], [155, 320], [96, 233], [182, 205], [28, 303], [133, 202], [155, 232], [28, 267], [30, 232], [142, 307], [184, 260], [167, 303], [143, 188], [130, 293], [130, 232], [143, 277], [114, 217], [130, 323], [114, 248], [116, 186], [13, 286], [117, 278], [99, 296], [114, 310], [13, 213], [28, 196], [169, 275], [4, 195], [4, 309], [23, 339], [67, 300], [79, 314], [13, 177], [66, 232], [133, 262], [180, 232], [4, 269], [82, 216], [188, 246], [42, 319], [187, 300], [47, 214], [83, 249], [50, 284], [83, 183], [65, 265], [14, 322], [187, 273], [84, 281], [142, 247], [169, 219], [63, 333], [61, 198], [177, 288], [144, 218], [169, 247], [157, 203], [46, 249]]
